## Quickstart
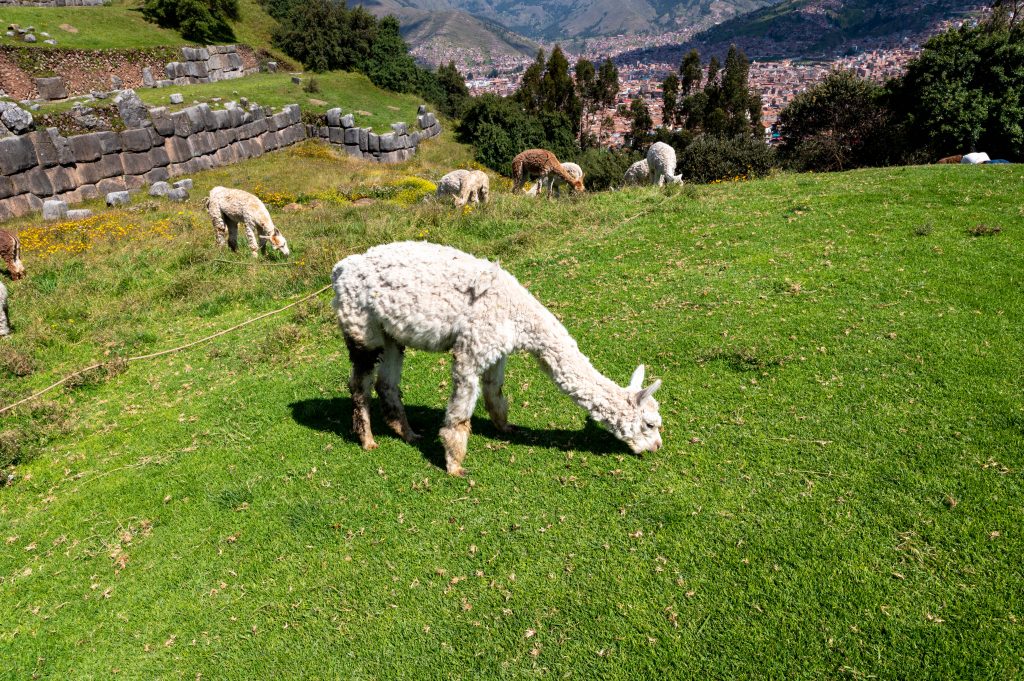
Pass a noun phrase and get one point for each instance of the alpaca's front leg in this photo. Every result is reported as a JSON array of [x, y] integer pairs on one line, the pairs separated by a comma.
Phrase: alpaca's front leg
[[359, 385], [256, 245], [389, 376], [494, 399], [455, 433]]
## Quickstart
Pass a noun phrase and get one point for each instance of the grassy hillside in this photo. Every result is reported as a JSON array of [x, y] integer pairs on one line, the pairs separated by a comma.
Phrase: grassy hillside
[[120, 25], [839, 495]]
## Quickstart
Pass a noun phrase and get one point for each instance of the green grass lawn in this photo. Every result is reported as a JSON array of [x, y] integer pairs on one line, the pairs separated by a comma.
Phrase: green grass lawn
[[89, 28], [120, 25], [839, 495], [352, 91]]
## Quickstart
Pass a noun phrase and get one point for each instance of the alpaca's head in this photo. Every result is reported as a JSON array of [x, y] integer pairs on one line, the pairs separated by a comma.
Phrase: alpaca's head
[[278, 241], [639, 423], [578, 185]]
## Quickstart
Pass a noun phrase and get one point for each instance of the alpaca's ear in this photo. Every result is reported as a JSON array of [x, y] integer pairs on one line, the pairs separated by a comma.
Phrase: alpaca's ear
[[636, 381], [647, 392]]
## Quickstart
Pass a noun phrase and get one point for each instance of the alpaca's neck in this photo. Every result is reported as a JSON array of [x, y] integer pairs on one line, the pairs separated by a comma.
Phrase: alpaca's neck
[[571, 371], [560, 171]]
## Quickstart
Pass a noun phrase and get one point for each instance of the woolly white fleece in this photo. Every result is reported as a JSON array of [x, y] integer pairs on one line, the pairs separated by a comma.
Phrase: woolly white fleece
[[638, 173], [229, 207], [451, 185], [661, 160], [437, 298], [5, 327]]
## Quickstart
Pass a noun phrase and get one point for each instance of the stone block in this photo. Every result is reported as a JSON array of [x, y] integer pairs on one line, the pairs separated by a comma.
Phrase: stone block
[[222, 118], [147, 77], [178, 194], [353, 150], [421, 109], [234, 61], [336, 135], [110, 142], [364, 138], [226, 137], [134, 182], [348, 121], [54, 209], [270, 141], [86, 173], [51, 88], [116, 82], [65, 155], [159, 157], [6, 187], [79, 214], [133, 112], [110, 165], [196, 116], [118, 198], [136, 139], [111, 184], [334, 117], [160, 174], [164, 83], [178, 149], [421, 122], [86, 147], [186, 184], [399, 128], [14, 118], [159, 189], [387, 142], [271, 67], [182, 124], [136, 164], [236, 117], [162, 121], [46, 151], [16, 154], [176, 98], [373, 142], [352, 136], [61, 179]]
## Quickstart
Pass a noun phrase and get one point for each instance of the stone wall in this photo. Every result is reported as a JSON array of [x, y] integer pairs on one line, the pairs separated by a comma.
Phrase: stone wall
[[201, 65], [43, 164], [391, 147]]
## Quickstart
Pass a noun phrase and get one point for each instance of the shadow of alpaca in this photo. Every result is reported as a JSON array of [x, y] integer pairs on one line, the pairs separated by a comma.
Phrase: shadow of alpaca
[[334, 415]]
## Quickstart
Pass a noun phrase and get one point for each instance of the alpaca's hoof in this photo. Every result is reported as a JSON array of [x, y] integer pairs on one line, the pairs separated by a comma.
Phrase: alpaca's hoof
[[370, 446], [508, 429], [459, 472], [411, 437]]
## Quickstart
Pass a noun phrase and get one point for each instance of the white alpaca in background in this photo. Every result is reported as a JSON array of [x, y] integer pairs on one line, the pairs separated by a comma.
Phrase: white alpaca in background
[[5, 326], [464, 186], [661, 160], [230, 207], [638, 174], [430, 297], [555, 183]]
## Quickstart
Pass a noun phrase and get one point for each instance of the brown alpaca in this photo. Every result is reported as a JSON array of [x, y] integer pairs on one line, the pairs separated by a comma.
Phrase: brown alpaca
[[539, 163], [951, 159], [10, 252]]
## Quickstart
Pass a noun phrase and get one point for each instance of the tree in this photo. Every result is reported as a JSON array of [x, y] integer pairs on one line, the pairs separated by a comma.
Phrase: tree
[[388, 63], [839, 123], [498, 129], [531, 88], [1006, 14], [963, 93], [455, 94], [691, 73], [641, 123], [559, 91], [714, 66], [201, 21], [607, 86], [670, 96], [315, 34], [741, 105], [586, 87]]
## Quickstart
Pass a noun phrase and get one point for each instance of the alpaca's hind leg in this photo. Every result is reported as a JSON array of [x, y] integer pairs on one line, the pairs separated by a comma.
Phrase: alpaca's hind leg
[[455, 433], [232, 227], [359, 385], [494, 398], [389, 375]]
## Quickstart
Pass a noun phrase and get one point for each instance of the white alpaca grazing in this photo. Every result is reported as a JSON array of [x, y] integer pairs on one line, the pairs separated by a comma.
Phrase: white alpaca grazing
[[661, 160], [430, 297], [451, 185], [638, 174], [5, 326], [464, 186], [230, 207]]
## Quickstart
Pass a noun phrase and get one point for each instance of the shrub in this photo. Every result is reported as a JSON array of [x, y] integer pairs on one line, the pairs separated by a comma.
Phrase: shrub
[[709, 158], [202, 21], [604, 168], [312, 86]]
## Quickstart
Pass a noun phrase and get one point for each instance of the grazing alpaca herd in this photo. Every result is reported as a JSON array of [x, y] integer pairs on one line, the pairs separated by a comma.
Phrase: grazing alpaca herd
[[430, 297]]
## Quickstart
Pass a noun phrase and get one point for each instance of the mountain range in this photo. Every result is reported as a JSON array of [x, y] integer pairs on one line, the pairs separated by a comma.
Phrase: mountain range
[[807, 28], [506, 27]]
